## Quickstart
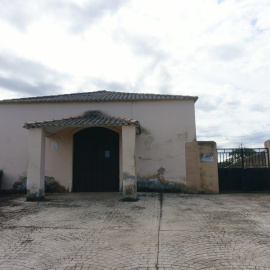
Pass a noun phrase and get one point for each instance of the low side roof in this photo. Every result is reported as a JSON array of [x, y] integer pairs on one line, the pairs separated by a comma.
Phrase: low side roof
[[93, 119], [100, 96]]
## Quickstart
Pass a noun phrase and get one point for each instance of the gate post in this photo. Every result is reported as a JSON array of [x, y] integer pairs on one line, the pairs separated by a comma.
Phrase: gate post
[[36, 165], [201, 167], [128, 158], [242, 158], [267, 145]]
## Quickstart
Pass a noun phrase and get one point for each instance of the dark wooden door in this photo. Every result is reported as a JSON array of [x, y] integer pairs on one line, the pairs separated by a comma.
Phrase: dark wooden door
[[96, 160]]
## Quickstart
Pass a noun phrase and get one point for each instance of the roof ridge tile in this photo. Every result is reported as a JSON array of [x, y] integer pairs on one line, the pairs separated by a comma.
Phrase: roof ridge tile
[[101, 95]]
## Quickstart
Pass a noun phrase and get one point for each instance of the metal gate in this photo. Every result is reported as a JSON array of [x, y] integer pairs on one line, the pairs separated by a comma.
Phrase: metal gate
[[243, 170]]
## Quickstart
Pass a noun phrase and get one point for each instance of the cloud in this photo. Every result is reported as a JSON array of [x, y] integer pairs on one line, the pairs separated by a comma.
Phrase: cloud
[[18, 66], [261, 108], [147, 47], [249, 140], [109, 85], [226, 52], [20, 13], [217, 50], [140, 44], [28, 77], [81, 17], [25, 88], [77, 16]]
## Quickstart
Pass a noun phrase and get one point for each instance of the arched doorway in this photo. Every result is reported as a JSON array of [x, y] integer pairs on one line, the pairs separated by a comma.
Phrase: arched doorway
[[95, 160]]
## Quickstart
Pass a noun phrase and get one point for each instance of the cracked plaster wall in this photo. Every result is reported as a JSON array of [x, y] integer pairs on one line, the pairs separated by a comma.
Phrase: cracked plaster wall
[[166, 126]]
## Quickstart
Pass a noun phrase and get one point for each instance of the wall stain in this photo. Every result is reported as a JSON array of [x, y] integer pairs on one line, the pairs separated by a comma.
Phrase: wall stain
[[155, 185], [51, 186]]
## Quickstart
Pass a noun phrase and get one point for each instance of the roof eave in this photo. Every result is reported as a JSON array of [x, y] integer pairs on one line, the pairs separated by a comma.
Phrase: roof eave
[[29, 126], [98, 100]]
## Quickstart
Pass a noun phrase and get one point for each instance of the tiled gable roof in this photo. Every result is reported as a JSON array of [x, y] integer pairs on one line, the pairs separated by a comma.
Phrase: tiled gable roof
[[90, 119], [100, 96]]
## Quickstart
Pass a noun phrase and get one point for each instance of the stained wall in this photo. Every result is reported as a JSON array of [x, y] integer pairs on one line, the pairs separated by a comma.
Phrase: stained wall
[[160, 148], [201, 167]]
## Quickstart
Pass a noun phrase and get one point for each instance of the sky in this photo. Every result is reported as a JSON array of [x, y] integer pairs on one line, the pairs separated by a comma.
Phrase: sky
[[218, 50]]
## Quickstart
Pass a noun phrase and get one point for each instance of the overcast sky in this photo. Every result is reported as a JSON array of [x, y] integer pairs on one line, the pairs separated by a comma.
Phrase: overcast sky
[[218, 50]]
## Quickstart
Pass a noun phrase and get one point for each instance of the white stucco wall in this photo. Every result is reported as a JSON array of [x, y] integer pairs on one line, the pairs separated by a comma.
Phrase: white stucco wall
[[166, 126]]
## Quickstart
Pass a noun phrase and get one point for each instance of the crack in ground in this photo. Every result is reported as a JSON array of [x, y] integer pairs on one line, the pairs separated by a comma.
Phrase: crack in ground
[[160, 216]]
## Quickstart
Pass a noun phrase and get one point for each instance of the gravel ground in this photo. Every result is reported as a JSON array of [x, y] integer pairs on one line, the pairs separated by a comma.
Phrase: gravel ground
[[159, 231]]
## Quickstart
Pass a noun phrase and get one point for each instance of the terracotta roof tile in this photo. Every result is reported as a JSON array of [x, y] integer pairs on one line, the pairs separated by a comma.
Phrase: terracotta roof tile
[[100, 96], [90, 119]]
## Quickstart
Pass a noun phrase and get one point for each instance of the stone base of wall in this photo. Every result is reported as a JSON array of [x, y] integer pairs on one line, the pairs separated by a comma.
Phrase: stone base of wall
[[129, 189], [154, 185], [51, 186]]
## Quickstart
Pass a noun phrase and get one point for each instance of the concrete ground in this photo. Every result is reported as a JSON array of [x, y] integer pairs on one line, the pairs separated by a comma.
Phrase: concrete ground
[[169, 231]]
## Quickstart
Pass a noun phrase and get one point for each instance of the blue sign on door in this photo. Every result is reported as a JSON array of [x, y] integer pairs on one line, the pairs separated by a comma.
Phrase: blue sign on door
[[107, 154]]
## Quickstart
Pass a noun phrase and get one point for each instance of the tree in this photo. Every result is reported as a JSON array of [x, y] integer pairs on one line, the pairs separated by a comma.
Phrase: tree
[[241, 153], [235, 157]]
